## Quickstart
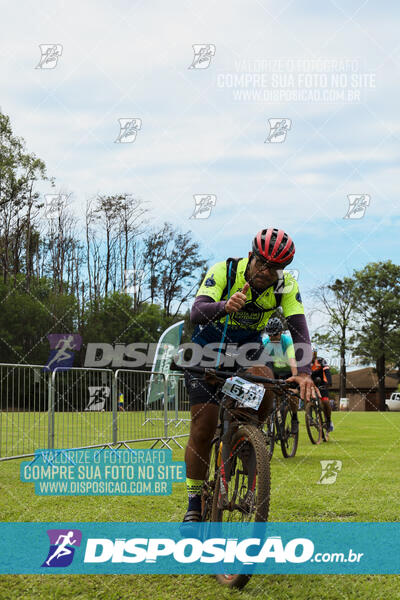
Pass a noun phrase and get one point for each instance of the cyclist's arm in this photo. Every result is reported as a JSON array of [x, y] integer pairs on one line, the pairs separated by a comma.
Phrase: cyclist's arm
[[208, 305], [293, 311], [288, 348], [293, 366], [297, 325], [326, 373], [205, 309], [328, 376]]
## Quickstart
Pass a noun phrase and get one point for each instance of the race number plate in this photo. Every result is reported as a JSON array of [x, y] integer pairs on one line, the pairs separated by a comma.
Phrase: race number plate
[[246, 394]]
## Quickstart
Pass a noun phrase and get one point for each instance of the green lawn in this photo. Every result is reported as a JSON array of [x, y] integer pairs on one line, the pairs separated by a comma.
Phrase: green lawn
[[22, 432], [366, 489]]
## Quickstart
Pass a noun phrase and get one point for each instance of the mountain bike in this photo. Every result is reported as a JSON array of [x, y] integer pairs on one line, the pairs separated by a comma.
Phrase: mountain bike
[[237, 482], [279, 426], [316, 425], [314, 421]]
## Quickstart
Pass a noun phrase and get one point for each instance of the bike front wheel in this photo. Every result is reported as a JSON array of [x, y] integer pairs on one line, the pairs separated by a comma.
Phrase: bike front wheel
[[209, 481], [325, 430], [289, 440], [242, 494], [313, 423]]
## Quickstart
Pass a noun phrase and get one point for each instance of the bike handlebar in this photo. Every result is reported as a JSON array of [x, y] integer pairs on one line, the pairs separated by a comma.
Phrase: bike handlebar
[[227, 375]]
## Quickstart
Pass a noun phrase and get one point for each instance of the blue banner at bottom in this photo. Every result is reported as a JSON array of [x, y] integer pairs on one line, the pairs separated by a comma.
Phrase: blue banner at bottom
[[171, 548]]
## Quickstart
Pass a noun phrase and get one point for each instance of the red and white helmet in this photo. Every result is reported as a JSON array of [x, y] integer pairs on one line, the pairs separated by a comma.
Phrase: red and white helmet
[[275, 246]]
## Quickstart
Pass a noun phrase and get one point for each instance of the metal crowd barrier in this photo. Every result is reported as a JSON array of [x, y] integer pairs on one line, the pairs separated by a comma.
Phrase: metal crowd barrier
[[150, 407], [23, 410], [82, 408], [181, 419], [139, 412]]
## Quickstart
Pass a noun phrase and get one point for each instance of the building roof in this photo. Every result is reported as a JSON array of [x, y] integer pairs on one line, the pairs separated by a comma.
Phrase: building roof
[[363, 379]]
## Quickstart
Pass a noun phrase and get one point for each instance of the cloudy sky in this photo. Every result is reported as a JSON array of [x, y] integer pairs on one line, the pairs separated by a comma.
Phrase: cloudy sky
[[333, 65]]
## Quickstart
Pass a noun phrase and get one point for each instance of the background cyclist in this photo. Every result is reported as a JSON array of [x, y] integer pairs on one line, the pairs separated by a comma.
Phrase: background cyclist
[[322, 378], [281, 350], [257, 285]]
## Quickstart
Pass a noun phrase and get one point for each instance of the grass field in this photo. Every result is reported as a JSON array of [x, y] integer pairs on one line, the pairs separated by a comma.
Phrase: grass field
[[366, 489], [23, 432]]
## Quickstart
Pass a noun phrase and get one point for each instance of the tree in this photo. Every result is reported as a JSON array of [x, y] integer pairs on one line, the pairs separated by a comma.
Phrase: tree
[[108, 208], [155, 249], [131, 226], [61, 245], [377, 289], [93, 253], [115, 321], [27, 319], [44, 285], [180, 267], [19, 201], [337, 303]]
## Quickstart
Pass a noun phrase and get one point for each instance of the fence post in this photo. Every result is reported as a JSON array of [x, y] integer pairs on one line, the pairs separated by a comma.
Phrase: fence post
[[176, 393], [165, 405], [51, 389], [114, 397]]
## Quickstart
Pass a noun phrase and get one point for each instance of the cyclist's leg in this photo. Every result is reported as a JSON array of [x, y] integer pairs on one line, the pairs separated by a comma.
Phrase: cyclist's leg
[[204, 417], [326, 405]]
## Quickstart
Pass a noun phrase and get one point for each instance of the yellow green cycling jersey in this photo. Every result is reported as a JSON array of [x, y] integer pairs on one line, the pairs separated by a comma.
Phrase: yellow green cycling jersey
[[258, 308]]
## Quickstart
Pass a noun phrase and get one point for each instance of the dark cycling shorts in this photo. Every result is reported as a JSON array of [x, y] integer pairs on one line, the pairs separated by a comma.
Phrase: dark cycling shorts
[[284, 375], [200, 391], [324, 391]]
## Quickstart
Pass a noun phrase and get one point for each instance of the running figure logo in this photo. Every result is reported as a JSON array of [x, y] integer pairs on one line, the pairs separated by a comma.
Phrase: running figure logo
[[98, 395], [330, 470], [62, 350], [128, 129], [357, 206], [286, 284], [54, 203], [50, 55], [203, 54], [203, 204], [278, 129], [133, 281], [62, 542]]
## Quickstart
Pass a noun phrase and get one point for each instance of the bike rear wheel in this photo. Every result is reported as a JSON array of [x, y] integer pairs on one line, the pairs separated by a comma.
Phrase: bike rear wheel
[[247, 485], [313, 423], [289, 440]]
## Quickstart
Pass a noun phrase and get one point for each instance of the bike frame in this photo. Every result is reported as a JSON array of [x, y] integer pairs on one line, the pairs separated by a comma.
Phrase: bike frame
[[226, 428]]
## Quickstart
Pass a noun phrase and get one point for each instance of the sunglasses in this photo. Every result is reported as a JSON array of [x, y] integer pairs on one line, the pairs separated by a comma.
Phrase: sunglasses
[[262, 265]]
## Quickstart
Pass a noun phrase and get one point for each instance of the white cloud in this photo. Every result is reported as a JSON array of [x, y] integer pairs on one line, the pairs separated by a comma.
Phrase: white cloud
[[122, 59]]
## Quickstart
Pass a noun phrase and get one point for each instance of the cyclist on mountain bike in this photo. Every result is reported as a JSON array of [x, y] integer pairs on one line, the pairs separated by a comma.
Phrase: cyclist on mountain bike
[[233, 306], [281, 351], [322, 378]]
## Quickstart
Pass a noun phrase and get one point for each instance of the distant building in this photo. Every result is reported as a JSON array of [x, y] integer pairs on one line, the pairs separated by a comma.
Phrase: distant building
[[362, 388]]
